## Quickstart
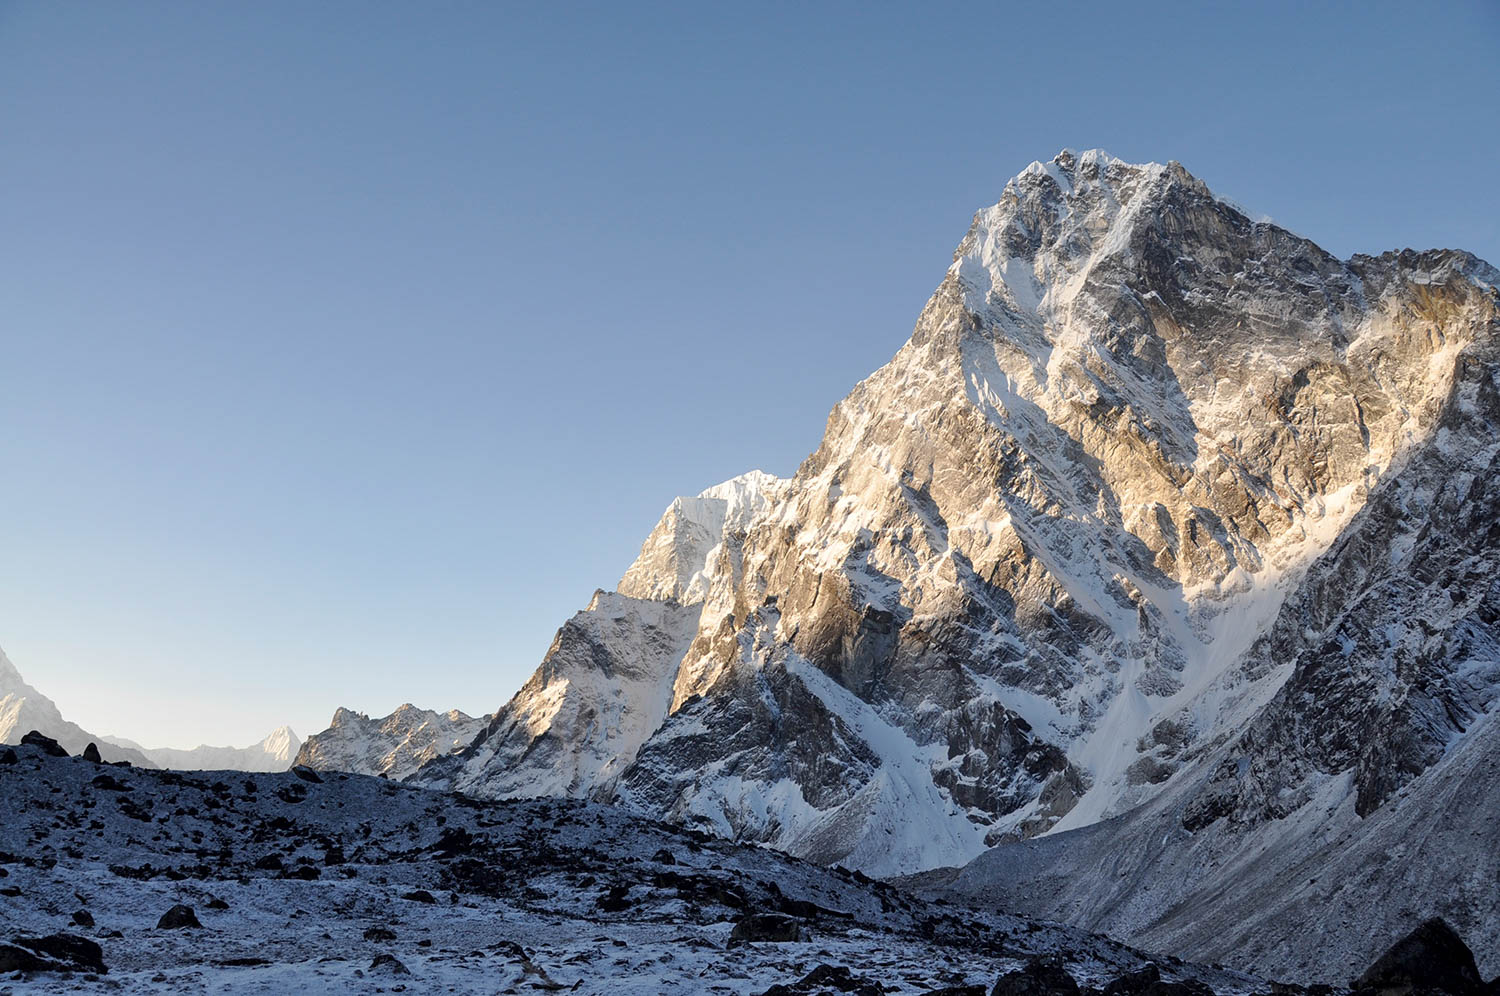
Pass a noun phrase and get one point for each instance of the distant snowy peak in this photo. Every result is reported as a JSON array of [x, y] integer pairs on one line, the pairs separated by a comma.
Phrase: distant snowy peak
[[393, 746], [696, 537], [23, 709], [274, 753]]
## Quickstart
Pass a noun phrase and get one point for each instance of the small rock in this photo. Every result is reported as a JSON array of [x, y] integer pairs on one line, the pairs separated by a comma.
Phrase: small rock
[[217, 904], [380, 934], [615, 901], [271, 862], [1042, 977], [109, 783], [83, 918], [177, 917], [755, 927], [664, 857], [305, 873], [8, 756], [831, 978], [387, 964], [307, 774], [1132, 983], [419, 896], [1431, 957], [47, 744], [91, 753]]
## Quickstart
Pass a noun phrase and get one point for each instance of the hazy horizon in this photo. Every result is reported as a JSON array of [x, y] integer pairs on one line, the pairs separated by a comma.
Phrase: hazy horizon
[[351, 348]]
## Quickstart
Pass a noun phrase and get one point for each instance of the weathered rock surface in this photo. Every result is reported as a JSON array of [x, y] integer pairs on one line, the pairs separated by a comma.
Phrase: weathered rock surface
[[1432, 958], [393, 746]]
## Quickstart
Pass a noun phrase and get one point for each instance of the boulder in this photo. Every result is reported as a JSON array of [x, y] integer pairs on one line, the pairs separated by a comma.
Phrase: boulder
[[83, 918], [758, 927], [386, 964], [307, 774], [47, 744], [1042, 977], [830, 979], [91, 753], [615, 900], [419, 896], [380, 934], [53, 953], [1431, 958], [177, 917], [14, 959]]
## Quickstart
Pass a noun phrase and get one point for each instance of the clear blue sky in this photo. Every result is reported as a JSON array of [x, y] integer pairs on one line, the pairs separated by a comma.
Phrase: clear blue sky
[[348, 347]]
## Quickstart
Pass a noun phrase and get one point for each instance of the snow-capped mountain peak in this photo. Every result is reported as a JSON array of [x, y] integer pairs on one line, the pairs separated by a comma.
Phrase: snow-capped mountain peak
[[1032, 552]]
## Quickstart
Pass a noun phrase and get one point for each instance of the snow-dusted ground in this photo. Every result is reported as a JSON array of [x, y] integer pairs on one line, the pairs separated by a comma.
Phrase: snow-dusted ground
[[526, 896]]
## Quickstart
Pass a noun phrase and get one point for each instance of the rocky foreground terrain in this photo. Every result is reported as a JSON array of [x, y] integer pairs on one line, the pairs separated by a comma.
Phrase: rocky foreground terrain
[[150, 880], [114, 878]]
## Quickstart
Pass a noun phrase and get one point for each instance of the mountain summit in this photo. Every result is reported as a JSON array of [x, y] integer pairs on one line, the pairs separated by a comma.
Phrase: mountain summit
[[1144, 471]]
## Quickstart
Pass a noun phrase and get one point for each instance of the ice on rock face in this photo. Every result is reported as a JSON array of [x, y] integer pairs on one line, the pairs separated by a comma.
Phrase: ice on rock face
[[1026, 581]]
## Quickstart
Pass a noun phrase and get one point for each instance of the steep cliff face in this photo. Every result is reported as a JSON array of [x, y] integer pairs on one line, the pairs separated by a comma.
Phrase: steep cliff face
[[1014, 589], [394, 746], [602, 689]]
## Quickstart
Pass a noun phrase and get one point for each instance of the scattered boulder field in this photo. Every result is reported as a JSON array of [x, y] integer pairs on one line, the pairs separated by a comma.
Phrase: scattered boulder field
[[127, 880]]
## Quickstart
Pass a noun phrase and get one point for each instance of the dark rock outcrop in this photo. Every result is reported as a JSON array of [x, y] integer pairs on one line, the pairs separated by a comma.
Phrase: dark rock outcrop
[[46, 743], [757, 927], [1432, 958], [53, 953], [1041, 977], [177, 918]]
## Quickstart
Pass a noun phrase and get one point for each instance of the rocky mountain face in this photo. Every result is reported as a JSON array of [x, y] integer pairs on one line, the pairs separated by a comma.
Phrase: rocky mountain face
[[394, 746], [23, 709], [275, 752], [1161, 512], [1362, 795]]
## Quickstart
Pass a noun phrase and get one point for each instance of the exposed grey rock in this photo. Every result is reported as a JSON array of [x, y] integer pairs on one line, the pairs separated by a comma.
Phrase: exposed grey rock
[[394, 745], [756, 927], [178, 917], [1432, 958]]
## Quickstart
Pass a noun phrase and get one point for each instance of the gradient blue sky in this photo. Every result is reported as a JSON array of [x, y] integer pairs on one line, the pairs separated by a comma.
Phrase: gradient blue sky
[[348, 347]]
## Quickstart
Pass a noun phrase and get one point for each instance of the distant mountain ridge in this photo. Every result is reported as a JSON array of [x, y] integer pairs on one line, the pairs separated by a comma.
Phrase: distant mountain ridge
[[275, 752], [23, 709], [393, 746]]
